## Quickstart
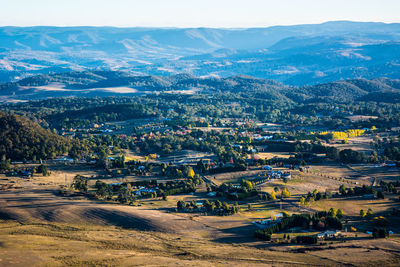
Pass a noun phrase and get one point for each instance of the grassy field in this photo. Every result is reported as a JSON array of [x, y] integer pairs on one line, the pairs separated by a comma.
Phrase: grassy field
[[53, 244], [40, 227], [56, 244]]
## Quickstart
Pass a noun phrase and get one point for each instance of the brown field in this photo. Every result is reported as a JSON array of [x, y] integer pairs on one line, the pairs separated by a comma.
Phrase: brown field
[[54, 244], [233, 177], [42, 228], [361, 143], [270, 155]]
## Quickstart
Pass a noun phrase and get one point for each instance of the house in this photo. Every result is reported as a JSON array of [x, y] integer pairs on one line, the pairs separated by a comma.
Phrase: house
[[328, 234], [268, 137]]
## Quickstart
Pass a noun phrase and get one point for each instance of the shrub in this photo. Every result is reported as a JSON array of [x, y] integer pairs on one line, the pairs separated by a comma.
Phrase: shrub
[[380, 233], [260, 234], [306, 239]]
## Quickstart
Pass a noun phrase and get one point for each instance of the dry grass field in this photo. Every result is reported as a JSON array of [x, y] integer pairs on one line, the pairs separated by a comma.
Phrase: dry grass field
[[54, 244], [39, 227], [361, 143]]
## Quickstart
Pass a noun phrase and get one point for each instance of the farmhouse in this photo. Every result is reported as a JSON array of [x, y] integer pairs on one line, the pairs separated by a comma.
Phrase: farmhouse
[[328, 234]]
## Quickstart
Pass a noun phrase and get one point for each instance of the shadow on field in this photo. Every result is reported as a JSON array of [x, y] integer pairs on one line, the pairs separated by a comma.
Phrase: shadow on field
[[242, 234], [119, 218]]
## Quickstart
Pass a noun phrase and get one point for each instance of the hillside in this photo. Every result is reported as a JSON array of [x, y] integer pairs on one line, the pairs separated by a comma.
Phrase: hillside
[[117, 83], [295, 55], [21, 138]]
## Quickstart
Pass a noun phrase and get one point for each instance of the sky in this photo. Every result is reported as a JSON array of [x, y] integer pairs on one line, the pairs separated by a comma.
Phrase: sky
[[193, 13]]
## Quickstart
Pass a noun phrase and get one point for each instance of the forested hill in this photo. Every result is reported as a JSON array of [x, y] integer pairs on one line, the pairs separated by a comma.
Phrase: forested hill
[[21, 138], [109, 83]]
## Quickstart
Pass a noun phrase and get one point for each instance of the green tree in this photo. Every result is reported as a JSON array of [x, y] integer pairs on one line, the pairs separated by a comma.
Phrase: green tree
[[43, 170], [103, 190], [342, 190], [125, 195], [80, 183], [180, 205]]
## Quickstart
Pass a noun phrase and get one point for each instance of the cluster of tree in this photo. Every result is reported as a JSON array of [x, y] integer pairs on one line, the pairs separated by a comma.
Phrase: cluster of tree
[[380, 221], [42, 169], [345, 156], [183, 171], [272, 196], [176, 187], [104, 190], [80, 183], [351, 156], [314, 196], [268, 196], [236, 192], [380, 232], [126, 191], [307, 239], [392, 153], [389, 187], [319, 220], [215, 208], [343, 134], [367, 213], [356, 191]]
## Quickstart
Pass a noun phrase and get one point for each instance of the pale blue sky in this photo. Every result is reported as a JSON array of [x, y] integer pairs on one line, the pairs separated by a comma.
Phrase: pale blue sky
[[193, 13]]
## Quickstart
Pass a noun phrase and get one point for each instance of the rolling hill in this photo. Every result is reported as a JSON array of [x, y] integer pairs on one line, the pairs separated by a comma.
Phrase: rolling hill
[[110, 83], [295, 55]]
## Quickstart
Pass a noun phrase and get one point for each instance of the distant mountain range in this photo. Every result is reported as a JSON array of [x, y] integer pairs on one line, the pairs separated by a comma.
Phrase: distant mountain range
[[295, 55], [111, 83]]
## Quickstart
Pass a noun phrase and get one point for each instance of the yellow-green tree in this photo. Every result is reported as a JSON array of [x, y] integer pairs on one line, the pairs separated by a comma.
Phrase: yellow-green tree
[[285, 192], [190, 173], [362, 213]]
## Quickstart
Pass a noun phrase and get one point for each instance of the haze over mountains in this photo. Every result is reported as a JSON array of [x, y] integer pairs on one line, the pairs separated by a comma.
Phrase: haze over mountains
[[294, 55]]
